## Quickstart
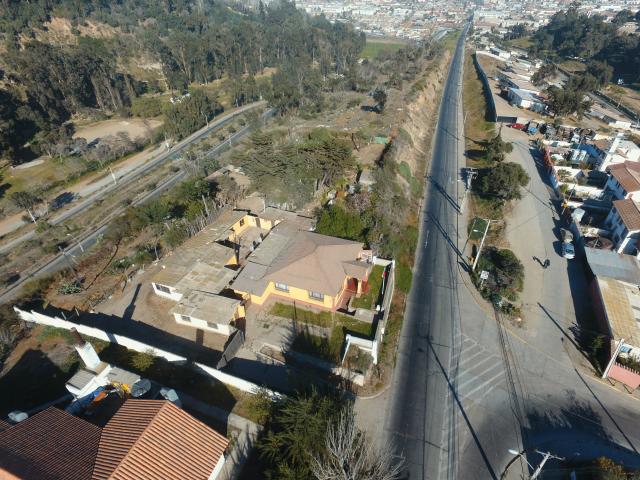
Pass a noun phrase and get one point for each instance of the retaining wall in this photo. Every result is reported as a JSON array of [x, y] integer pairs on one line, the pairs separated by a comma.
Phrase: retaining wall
[[137, 346], [486, 88]]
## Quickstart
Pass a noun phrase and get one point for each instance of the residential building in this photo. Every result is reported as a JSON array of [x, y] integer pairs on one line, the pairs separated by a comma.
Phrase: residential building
[[609, 151], [305, 267], [526, 99], [624, 223], [144, 440], [51, 445], [615, 294], [197, 274], [624, 180]]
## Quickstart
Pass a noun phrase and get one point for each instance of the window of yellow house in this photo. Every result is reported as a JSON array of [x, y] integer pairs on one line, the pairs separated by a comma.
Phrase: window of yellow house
[[316, 295], [282, 287], [242, 222]]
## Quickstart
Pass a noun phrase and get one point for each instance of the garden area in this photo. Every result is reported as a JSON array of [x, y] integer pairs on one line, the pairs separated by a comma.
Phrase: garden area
[[307, 339], [369, 298], [503, 280]]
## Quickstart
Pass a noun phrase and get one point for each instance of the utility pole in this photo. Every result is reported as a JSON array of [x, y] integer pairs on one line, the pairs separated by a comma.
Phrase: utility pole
[[545, 456], [475, 261], [71, 267], [206, 208], [115, 182]]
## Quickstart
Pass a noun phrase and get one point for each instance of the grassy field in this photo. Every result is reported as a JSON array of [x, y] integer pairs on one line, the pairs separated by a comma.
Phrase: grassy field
[[524, 42], [477, 126], [573, 66], [373, 47], [450, 40]]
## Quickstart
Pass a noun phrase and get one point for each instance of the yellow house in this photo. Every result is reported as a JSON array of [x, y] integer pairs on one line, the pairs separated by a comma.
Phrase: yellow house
[[305, 267], [197, 275]]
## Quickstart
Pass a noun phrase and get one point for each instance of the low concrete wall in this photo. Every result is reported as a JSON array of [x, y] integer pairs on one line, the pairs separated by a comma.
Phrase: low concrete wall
[[35, 317], [368, 345]]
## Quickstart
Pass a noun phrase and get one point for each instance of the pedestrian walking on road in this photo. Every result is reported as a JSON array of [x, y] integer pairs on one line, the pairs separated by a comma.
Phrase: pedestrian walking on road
[[547, 262]]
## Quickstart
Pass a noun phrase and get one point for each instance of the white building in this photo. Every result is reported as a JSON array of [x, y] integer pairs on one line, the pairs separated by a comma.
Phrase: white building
[[624, 180], [624, 222], [526, 99]]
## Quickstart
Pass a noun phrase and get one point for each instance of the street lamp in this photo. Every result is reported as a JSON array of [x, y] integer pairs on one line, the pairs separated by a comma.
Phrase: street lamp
[[545, 457], [475, 261]]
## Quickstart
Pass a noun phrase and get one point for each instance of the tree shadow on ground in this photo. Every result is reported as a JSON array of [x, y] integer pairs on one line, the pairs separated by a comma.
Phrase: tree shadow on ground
[[32, 381], [574, 431], [3, 188]]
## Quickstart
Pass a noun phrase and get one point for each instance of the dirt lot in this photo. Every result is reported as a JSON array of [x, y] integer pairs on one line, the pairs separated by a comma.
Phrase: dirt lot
[[629, 96], [135, 127]]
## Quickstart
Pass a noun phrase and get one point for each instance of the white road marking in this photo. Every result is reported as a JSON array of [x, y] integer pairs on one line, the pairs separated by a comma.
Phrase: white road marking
[[484, 384]]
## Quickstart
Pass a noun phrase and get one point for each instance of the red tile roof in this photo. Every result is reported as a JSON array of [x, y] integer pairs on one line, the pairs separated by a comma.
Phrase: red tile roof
[[51, 445], [4, 425], [629, 213], [154, 439], [627, 174]]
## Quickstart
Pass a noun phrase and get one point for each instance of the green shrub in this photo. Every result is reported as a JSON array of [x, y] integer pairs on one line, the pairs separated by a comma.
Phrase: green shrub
[[146, 107], [142, 361], [404, 277], [259, 406]]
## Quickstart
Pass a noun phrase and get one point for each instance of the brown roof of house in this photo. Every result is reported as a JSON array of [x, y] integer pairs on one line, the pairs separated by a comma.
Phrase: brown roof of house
[[315, 262], [154, 439], [628, 211], [627, 174], [4, 426], [52, 445]]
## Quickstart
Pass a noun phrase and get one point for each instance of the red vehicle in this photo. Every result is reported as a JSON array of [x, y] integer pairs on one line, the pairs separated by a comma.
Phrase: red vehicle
[[517, 126]]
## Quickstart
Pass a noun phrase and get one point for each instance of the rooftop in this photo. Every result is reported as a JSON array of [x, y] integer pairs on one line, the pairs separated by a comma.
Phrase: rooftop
[[622, 305], [629, 213], [143, 440], [207, 306], [527, 95], [51, 445], [627, 174], [618, 278], [607, 263], [200, 262], [155, 440], [302, 259]]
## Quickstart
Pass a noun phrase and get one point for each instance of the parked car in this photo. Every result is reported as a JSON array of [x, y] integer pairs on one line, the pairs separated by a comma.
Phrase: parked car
[[517, 126], [568, 251]]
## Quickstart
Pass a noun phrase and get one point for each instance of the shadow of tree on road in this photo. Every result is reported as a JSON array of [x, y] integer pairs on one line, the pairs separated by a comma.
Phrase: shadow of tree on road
[[574, 431]]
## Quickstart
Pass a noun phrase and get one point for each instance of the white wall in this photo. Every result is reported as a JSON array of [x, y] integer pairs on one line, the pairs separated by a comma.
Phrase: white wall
[[217, 469], [57, 322], [204, 325]]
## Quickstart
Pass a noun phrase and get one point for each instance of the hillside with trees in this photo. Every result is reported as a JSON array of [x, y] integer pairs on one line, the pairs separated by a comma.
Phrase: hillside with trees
[[571, 34], [143, 47]]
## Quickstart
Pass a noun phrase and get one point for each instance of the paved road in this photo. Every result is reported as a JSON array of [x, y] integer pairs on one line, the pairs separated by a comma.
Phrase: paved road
[[88, 239], [467, 387], [125, 176], [430, 337]]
